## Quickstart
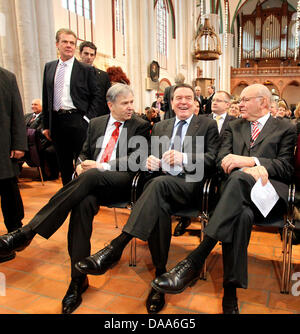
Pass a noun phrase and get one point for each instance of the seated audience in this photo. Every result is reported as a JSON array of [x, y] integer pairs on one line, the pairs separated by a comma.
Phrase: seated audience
[[47, 154], [234, 109]]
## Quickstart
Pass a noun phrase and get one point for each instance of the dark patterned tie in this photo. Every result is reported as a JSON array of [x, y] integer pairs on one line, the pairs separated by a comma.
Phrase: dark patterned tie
[[178, 137]]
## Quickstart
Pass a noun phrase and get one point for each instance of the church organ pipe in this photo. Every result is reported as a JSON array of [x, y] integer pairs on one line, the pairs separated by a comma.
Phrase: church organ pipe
[[267, 34]]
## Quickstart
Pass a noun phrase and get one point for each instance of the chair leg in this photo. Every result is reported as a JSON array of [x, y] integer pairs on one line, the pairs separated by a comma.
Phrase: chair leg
[[203, 274], [132, 257], [116, 218], [286, 259], [41, 175]]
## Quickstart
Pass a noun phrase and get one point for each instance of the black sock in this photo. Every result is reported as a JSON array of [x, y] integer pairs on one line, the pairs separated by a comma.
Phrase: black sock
[[229, 294], [120, 242], [199, 255], [159, 271]]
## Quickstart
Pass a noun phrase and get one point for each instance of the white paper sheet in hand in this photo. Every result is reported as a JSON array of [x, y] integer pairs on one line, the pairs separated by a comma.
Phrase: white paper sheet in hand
[[264, 197]]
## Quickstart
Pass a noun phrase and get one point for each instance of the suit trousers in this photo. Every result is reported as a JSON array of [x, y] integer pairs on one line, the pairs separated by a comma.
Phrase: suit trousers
[[11, 204], [82, 197], [68, 133], [150, 218], [231, 223]]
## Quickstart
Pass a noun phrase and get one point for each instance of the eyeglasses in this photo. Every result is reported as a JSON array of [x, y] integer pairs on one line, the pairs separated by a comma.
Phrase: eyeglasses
[[219, 101], [247, 99]]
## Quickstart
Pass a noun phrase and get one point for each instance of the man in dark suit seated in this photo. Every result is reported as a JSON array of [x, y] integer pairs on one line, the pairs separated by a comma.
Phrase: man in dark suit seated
[[183, 149], [49, 164], [220, 105], [71, 97], [104, 178], [257, 146]]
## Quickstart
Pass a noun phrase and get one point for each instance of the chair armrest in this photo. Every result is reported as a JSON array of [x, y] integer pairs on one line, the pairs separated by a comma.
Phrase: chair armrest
[[291, 205]]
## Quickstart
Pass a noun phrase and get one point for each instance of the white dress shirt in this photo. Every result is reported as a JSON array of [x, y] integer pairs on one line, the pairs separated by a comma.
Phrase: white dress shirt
[[109, 130], [67, 102], [221, 120]]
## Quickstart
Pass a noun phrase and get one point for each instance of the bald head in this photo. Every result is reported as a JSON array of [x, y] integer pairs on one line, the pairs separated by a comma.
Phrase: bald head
[[255, 102], [36, 106]]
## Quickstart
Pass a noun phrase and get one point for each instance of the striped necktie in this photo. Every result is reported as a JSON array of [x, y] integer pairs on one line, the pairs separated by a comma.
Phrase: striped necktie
[[254, 132], [59, 86]]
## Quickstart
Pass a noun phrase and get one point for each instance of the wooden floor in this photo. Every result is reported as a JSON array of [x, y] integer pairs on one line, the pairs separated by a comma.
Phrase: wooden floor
[[37, 279]]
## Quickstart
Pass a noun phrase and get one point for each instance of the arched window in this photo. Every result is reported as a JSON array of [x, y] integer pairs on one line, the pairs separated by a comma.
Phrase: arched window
[[81, 17], [162, 32]]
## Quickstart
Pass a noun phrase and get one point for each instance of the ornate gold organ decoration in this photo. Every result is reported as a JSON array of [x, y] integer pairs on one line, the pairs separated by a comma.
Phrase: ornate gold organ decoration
[[207, 43]]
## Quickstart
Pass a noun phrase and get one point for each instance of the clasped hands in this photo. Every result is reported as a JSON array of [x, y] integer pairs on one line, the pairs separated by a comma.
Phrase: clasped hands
[[247, 164], [170, 157], [88, 164]]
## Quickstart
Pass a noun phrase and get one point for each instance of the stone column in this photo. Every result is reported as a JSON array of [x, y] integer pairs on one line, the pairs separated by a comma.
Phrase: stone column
[[28, 44], [226, 61]]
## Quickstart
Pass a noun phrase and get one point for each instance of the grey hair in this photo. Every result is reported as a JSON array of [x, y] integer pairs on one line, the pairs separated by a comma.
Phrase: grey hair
[[179, 79], [116, 90]]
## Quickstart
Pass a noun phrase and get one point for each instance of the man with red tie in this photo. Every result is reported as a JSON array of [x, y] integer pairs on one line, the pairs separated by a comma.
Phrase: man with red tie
[[103, 177]]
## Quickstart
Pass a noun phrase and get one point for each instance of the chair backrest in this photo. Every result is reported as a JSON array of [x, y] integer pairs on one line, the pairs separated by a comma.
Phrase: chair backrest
[[32, 157], [297, 164]]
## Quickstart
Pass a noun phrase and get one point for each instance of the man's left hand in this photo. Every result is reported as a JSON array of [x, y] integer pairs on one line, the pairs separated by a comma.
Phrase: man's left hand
[[173, 158], [258, 172]]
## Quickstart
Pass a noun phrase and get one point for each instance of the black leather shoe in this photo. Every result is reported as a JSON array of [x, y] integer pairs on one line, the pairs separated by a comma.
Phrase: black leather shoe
[[181, 226], [98, 263], [177, 279], [230, 307], [14, 241], [6, 258], [155, 302], [73, 299]]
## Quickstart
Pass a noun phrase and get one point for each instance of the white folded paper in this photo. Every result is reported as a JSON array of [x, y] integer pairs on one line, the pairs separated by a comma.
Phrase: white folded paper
[[264, 197]]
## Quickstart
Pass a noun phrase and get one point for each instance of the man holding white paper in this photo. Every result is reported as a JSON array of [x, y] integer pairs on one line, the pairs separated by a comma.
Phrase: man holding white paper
[[256, 147]]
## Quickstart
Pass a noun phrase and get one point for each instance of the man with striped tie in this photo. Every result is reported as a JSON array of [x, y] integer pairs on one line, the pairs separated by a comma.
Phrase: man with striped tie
[[253, 147], [71, 97]]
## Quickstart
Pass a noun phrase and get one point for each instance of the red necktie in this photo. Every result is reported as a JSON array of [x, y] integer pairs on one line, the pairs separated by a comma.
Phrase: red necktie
[[254, 132], [111, 144]]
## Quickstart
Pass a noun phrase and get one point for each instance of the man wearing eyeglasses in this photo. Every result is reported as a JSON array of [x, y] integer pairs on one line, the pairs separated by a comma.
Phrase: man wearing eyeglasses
[[257, 146], [219, 106]]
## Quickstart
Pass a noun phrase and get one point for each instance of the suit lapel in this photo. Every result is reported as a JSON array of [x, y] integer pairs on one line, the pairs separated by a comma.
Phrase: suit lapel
[[52, 71], [245, 131], [101, 128], [74, 74]]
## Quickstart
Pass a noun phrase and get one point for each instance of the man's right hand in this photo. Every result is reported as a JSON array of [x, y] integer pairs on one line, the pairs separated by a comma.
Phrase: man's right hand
[[46, 133], [153, 163]]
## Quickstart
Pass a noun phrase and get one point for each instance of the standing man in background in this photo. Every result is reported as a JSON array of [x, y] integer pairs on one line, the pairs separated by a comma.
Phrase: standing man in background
[[71, 97], [88, 53], [13, 144]]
